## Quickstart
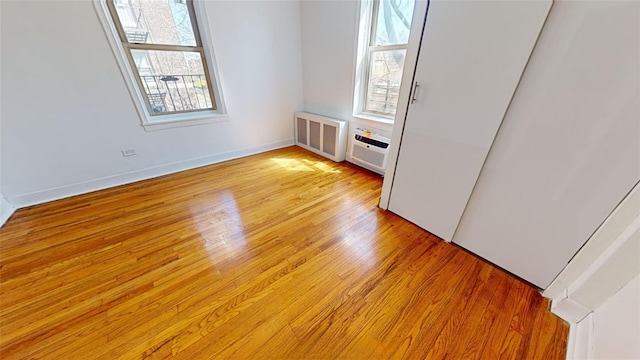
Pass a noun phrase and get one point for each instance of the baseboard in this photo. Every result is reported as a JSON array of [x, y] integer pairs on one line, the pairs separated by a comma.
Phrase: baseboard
[[6, 210], [573, 313], [580, 320], [596, 273], [580, 343], [62, 192], [569, 309]]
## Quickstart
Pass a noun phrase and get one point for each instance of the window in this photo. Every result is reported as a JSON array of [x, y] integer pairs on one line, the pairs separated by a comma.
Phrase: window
[[161, 43], [386, 38]]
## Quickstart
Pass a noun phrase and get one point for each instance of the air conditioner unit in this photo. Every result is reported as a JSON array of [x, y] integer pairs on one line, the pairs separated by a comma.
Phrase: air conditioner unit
[[322, 135], [370, 149]]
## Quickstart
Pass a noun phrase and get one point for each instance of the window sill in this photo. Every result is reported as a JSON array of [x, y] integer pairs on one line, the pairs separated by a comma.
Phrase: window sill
[[371, 117], [182, 120]]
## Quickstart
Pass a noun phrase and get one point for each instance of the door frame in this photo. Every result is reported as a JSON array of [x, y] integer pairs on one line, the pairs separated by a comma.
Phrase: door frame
[[413, 50]]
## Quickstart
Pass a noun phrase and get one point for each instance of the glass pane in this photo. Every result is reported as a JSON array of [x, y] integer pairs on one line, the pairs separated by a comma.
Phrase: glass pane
[[173, 80], [165, 22], [385, 74], [393, 22]]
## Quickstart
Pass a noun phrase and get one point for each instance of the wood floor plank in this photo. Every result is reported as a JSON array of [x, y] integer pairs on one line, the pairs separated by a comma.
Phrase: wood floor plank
[[280, 255], [435, 301], [475, 324], [389, 313], [478, 339]]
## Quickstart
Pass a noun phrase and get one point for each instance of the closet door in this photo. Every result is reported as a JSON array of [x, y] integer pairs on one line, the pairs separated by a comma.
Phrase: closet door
[[569, 148], [471, 58]]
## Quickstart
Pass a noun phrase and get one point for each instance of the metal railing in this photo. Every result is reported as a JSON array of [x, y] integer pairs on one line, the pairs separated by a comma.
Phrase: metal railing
[[176, 93], [383, 98]]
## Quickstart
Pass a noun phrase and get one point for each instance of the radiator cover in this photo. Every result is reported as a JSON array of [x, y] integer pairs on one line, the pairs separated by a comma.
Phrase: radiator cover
[[322, 135]]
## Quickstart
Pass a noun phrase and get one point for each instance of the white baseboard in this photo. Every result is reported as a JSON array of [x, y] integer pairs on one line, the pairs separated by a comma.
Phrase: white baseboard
[[62, 192], [569, 309], [597, 272], [580, 319], [6, 210], [580, 343]]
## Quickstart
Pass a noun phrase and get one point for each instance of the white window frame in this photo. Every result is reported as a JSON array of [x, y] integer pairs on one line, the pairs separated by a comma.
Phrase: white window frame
[[366, 33], [150, 121]]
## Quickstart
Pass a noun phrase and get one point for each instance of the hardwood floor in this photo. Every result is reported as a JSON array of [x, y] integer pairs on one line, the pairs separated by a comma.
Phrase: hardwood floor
[[280, 255]]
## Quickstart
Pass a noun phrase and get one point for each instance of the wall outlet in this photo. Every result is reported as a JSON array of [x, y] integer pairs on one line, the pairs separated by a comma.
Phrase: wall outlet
[[128, 152]]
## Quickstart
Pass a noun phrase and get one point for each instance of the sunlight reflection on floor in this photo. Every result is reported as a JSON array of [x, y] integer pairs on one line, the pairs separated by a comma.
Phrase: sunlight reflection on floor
[[223, 229], [304, 165]]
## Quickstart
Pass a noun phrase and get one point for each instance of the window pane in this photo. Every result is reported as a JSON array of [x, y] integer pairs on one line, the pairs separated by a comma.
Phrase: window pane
[[173, 80], [393, 22], [165, 22], [385, 74]]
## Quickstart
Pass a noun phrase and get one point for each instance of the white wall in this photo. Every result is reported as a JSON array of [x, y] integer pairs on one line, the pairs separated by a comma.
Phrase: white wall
[[616, 325], [329, 40], [66, 112], [598, 292]]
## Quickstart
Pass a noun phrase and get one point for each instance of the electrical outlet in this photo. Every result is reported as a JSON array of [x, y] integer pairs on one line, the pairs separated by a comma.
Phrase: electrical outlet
[[128, 152]]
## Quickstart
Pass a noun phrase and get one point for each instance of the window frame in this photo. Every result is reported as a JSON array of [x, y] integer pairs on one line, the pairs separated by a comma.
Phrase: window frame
[[366, 47], [122, 52]]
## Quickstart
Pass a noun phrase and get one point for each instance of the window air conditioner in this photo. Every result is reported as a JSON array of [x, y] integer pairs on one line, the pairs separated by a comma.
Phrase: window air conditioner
[[371, 150]]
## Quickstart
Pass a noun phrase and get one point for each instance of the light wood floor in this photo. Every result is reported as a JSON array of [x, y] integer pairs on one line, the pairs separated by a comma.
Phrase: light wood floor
[[280, 255]]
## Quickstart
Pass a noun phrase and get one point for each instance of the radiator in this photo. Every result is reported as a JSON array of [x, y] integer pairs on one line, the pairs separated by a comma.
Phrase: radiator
[[322, 135]]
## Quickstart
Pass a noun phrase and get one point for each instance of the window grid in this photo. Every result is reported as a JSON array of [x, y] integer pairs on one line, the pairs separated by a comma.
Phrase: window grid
[[162, 92], [387, 89]]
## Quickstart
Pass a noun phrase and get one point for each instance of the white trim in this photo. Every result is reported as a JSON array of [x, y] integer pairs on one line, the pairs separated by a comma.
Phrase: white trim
[[604, 244], [580, 342], [158, 122], [185, 119], [569, 310], [368, 12], [204, 25], [6, 210], [586, 279], [413, 48], [111, 34], [597, 272], [612, 234], [65, 191], [364, 35], [372, 117]]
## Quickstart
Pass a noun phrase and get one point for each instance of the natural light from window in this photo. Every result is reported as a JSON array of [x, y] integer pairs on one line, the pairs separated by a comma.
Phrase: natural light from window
[[163, 45], [390, 24], [304, 165]]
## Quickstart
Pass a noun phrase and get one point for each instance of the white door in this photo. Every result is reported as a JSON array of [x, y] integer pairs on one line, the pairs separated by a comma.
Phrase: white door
[[569, 148], [471, 58]]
